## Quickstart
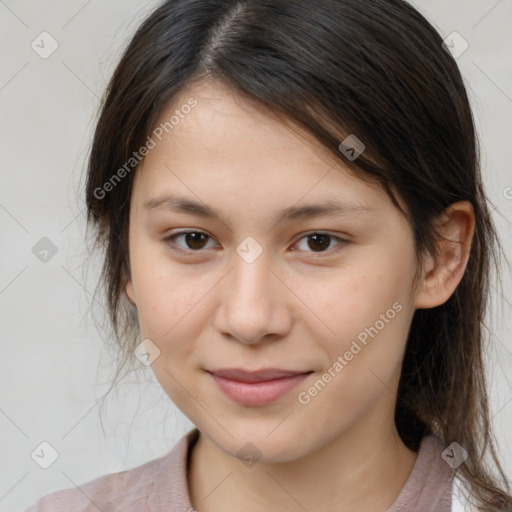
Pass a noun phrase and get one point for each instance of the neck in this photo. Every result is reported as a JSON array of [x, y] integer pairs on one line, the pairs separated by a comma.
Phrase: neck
[[365, 468]]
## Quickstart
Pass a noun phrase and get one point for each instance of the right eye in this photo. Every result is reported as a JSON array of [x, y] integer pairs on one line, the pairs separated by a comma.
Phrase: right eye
[[194, 240]]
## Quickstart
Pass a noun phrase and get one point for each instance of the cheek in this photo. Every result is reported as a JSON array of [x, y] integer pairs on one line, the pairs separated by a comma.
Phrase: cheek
[[370, 313], [171, 309], [169, 296], [352, 303], [365, 315], [362, 359]]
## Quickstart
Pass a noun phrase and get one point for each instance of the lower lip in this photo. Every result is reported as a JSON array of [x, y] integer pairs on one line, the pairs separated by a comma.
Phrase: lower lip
[[257, 393]]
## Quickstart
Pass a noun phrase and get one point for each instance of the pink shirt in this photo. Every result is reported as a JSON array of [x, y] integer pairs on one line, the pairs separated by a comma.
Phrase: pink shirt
[[161, 486]]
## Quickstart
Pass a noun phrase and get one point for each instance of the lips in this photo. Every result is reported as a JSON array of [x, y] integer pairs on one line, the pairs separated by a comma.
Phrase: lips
[[255, 376], [257, 388]]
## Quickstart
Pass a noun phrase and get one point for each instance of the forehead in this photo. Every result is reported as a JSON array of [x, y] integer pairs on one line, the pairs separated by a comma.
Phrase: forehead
[[225, 121], [230, 144]]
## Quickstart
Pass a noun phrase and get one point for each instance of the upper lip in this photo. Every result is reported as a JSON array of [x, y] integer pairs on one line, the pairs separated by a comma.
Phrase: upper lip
[[254, 376]]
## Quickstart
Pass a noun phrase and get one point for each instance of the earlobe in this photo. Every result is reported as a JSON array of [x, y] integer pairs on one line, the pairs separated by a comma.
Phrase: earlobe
[[444, 271]]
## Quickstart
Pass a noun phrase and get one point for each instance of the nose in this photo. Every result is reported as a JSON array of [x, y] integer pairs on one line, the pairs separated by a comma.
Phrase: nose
[[255, 305]]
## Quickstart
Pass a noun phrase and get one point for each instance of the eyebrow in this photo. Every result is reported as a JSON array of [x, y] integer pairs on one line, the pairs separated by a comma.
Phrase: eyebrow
[[330, 207]]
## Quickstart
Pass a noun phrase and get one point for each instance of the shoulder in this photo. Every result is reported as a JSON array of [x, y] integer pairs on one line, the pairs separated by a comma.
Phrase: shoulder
[[107, 493], [123, 491], [433, 483], [457, 491]]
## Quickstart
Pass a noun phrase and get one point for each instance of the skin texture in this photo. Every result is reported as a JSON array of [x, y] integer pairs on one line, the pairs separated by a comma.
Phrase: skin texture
[[296, 307]]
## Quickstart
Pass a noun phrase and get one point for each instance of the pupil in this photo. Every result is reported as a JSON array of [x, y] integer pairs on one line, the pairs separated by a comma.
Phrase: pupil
[[324, 238], [192, 238]]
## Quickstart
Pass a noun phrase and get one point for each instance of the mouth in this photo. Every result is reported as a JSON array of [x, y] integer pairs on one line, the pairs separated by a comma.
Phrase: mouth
[[256, 388]]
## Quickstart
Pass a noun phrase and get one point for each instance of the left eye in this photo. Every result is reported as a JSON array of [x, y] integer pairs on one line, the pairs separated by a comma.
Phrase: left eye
[[320, 241], [196, 240]]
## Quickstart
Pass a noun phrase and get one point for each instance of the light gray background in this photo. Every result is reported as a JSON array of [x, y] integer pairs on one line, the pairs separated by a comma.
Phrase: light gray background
[[54, 368]]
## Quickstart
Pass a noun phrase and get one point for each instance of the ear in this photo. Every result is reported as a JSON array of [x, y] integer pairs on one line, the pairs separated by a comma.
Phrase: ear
[[130, 292], [443, 271]]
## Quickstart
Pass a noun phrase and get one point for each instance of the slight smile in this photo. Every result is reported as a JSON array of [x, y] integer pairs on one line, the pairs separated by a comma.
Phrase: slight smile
[[256, 388]]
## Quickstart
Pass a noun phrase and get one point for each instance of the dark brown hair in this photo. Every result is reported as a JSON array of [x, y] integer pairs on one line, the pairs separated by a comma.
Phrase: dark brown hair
[[374, 68]]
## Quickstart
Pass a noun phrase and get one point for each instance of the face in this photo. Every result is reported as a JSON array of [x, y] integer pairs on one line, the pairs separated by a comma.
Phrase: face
[[234, 283]]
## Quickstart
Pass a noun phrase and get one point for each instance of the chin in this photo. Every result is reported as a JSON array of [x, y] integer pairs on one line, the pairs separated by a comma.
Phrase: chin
[[259, 443]]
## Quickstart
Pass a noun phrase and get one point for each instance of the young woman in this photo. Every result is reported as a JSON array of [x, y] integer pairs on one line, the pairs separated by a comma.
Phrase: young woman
[[297, 239]]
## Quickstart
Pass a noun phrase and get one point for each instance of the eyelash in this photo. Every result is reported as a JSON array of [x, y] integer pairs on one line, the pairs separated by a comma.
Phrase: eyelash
[[170, 241]]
